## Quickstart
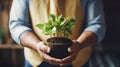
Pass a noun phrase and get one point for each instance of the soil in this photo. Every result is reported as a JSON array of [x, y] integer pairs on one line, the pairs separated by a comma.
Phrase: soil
[[59, 46]]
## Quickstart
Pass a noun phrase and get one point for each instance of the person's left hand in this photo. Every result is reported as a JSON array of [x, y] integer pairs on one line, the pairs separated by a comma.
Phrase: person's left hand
[[74, 51]]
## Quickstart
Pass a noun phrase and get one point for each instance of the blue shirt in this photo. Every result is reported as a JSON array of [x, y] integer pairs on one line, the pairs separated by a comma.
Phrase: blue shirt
[[20, 19]]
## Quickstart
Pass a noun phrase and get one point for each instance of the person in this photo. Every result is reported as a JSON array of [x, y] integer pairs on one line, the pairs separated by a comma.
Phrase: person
[[89, 29]]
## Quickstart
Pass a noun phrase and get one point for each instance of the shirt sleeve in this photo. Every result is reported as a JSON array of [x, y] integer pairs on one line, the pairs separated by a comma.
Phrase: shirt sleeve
[[19, 19], [95, 18]]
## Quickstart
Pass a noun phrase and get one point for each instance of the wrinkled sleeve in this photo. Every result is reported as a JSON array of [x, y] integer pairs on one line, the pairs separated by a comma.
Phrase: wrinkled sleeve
[[19, 19], [95, 18]]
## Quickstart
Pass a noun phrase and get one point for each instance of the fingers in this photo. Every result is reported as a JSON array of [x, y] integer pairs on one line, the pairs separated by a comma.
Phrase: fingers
[[75, 47], [49, 59], [68, 60], [43, 47], [43, 50]]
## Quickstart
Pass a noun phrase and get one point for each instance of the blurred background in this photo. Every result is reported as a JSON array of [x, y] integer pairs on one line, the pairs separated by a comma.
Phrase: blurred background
[[106, 54]]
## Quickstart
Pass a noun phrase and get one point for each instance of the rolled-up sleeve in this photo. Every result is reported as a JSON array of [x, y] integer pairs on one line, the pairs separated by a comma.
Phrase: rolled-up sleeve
[[95, 18], [19, 19]]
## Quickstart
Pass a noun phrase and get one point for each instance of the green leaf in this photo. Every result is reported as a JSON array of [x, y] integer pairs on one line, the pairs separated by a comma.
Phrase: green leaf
[[47, 32], [63, 22], [57, 25], [41, 26], [54, 30], [52, 16], [48, 24], [71, 23], [60, 16], [60, 19]]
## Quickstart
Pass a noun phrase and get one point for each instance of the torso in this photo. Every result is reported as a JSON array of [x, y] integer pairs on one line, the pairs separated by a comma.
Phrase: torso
[[40, 10]]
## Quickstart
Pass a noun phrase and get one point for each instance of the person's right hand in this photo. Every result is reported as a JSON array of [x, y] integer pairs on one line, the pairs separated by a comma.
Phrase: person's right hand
[[43, 50]]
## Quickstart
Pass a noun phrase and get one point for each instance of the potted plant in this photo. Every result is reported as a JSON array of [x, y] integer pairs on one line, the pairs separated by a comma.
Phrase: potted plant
[[59, 28]]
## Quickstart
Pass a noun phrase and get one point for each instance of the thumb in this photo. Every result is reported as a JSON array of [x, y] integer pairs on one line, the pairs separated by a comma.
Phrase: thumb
[[43, 47], [71, 49], [75, 47]]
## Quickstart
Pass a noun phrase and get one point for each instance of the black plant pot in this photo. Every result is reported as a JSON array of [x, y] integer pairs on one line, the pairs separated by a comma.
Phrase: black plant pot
[[59, 46]]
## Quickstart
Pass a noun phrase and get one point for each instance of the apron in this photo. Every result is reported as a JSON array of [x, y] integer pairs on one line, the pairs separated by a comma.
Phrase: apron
[[39, 13]]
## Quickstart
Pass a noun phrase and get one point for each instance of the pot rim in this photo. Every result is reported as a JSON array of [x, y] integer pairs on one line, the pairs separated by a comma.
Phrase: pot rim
[[67, 42]]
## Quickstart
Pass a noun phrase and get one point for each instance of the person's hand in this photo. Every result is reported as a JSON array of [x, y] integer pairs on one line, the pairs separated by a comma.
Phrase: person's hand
[[86, 39], [43, 50], [74, 51]]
